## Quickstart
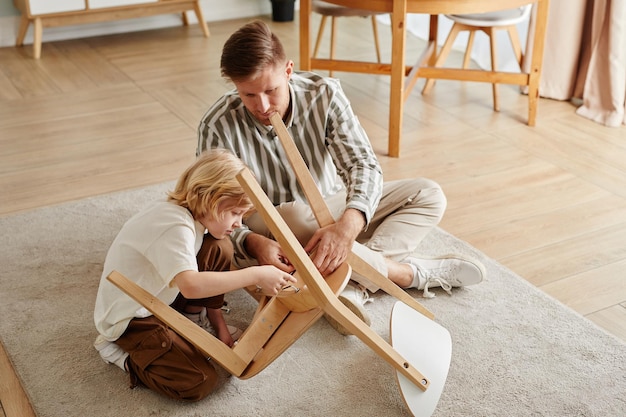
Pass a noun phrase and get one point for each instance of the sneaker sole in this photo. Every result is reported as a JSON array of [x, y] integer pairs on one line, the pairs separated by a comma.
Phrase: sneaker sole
[[358, 310]]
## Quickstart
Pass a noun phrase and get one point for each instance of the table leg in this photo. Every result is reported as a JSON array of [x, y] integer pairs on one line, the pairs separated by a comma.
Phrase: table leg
[[305, 43], [534, 72], [396, 94]]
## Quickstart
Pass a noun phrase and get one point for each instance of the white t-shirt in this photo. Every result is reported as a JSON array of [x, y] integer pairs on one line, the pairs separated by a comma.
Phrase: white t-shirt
[[151, 249]]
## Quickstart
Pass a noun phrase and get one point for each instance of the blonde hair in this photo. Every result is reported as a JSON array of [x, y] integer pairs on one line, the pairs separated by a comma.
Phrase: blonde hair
[[210, 181]]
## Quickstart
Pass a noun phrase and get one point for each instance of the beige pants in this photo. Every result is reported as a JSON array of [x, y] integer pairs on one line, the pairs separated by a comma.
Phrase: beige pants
[[408, 210]]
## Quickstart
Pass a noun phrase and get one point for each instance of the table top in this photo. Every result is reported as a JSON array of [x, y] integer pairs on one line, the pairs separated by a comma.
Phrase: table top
[[433, 6]]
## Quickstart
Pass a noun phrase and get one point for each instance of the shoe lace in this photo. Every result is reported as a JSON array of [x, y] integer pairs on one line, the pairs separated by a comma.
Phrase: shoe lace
[[436, 277], [364, 294]]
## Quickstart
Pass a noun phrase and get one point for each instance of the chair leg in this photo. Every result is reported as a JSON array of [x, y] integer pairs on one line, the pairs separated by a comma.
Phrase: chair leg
[[333, 27], [21, 34], [320, 32], [517, 48], [443, 54], [37, 37], [201, 20], [468, 51], [492, 41], [375, 30]]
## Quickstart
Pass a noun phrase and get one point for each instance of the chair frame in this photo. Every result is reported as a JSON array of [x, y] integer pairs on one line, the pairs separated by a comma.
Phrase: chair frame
[[281, 320]]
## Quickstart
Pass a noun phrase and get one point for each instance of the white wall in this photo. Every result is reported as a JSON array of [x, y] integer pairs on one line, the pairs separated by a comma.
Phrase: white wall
[[214, 10]]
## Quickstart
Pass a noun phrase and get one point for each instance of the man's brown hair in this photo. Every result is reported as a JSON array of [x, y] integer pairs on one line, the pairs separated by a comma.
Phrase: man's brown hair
[[249, 50]]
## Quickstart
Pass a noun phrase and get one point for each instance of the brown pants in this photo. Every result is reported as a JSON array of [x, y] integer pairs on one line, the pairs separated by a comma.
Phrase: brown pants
[[162, 360]]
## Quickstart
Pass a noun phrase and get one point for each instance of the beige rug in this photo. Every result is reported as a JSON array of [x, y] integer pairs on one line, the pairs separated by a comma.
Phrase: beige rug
[[516, 352]]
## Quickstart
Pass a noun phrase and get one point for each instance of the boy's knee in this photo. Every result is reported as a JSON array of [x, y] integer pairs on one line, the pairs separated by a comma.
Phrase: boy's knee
[[215, 254], [201, 390], [193, 385]]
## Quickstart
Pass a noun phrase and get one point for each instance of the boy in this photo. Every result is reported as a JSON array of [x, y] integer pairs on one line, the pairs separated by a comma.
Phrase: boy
[[158, 249]]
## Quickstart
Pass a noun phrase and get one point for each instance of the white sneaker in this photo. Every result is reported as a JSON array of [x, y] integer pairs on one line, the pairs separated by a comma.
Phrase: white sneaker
[[202, 320], [354, 296], [111, 352], [445, 272]]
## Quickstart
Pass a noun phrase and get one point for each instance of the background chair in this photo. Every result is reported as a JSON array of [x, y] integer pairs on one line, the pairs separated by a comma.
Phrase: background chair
[[489, 23], [332, 10]]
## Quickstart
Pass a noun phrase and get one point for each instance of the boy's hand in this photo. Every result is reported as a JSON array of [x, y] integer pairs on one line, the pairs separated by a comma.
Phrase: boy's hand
[[267, 252], [271, 280]]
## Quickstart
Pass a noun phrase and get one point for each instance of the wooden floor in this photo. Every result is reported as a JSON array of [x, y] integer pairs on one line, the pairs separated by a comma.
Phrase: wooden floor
[[110, 113]]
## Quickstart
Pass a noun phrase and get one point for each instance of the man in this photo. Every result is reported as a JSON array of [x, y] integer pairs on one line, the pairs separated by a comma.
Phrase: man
[[381, 222]]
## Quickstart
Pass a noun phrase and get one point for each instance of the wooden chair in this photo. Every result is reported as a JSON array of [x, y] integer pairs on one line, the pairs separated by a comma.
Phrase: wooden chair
[[279, 321], [333, 11], [489, 23]]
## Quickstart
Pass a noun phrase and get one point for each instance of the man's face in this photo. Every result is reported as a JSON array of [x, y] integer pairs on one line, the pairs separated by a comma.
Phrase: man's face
[[267, 93]]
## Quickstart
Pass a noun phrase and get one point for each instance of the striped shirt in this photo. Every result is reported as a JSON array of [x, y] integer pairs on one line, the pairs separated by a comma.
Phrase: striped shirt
[[324, 128]]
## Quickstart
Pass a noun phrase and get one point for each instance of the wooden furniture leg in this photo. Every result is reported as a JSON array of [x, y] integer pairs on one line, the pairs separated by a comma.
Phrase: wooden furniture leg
[[201, 21], [37, 37], [324, 217], [396, 94], [325, 298], [21, 33]]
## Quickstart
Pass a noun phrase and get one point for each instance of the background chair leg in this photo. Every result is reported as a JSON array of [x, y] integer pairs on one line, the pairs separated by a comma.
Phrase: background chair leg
[[375, 30], [467, 58], [443, 54], [21, 34], [517, 48], [492, 41], [333, 28], [201, 20], [320, 32], [37, 37]]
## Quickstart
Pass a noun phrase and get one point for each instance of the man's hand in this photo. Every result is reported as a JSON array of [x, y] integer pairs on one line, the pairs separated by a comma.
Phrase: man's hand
[[333, 243], [267, 252]]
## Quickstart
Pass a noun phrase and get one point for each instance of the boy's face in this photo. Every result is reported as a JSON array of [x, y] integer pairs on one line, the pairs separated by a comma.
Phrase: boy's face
[[267, 93], [230, 218]]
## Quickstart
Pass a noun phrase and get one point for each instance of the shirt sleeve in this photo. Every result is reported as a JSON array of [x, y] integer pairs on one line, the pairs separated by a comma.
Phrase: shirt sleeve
[[353, 155], [173, 252]]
